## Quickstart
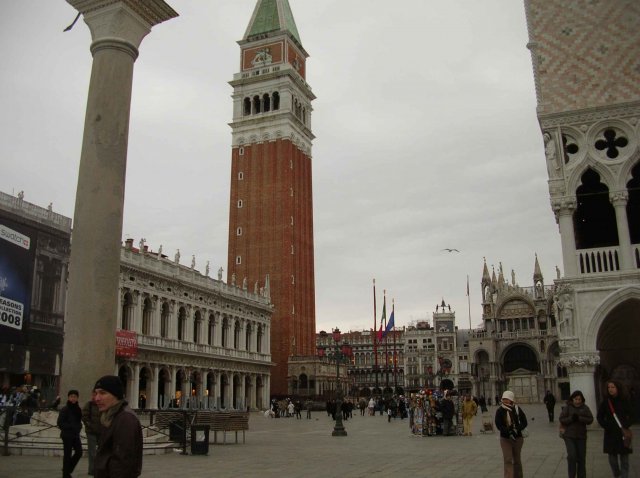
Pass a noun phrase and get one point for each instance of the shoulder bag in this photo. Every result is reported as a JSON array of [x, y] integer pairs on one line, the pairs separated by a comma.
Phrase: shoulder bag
[[627, 435]]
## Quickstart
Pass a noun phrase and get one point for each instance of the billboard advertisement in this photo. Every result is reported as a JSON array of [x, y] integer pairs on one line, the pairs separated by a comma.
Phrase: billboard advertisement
[[17, 252]]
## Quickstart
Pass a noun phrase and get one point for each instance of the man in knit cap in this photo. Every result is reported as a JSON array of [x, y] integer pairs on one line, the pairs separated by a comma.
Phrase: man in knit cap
[[120, 448], [70, 424]]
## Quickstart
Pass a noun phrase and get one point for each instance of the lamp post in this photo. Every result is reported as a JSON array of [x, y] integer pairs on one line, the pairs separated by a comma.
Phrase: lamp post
[[340, 355]]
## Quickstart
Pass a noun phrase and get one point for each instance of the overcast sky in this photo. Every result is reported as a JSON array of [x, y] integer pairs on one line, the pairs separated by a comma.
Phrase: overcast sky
[[426, 138]]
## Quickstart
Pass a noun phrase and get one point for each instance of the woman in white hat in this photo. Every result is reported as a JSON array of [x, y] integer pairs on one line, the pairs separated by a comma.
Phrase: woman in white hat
[[511, 420]]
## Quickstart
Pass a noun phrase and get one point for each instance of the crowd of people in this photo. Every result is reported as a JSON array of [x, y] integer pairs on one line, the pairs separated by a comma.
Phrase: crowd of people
[[114, 433], [26, 400]]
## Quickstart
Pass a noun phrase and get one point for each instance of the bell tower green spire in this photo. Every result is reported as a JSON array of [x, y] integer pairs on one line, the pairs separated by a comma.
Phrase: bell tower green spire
[[272, 17]]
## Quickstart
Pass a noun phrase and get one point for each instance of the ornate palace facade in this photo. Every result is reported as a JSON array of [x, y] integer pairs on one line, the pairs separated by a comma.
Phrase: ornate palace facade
[[181, 334], [587, 85], [197, 337]]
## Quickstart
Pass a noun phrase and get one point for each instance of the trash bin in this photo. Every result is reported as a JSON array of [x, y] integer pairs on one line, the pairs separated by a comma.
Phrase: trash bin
[[200, 439]]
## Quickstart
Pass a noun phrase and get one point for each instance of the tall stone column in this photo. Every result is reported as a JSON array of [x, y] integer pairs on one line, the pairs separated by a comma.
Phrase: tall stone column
[[619, 201], [241, 393], [216, 389], [152, 388], [134, 391], [581, 368], [563, 210], [117, 28]]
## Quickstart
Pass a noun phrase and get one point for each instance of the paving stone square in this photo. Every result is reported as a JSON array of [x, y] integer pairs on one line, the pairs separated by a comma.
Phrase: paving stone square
[[287, 447]]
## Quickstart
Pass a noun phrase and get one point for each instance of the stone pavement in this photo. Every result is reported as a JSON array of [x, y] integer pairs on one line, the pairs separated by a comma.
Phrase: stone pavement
[[286, 447]]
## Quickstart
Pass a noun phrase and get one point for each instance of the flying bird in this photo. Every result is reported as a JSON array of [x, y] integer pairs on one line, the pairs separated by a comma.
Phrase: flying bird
[[450, 250]]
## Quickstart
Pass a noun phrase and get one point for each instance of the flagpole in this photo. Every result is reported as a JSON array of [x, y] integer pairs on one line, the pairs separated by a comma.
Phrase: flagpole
[[375, 332], [386, 349], [395, 357], [469, 302]]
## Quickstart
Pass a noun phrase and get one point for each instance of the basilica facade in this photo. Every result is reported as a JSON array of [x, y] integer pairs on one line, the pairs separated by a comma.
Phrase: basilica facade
[[517, 346]]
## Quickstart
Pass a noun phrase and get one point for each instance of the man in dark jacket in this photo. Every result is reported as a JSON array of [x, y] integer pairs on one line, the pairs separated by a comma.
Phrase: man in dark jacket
[[448, 411], [120, 447], [70, 424], [550, 402]]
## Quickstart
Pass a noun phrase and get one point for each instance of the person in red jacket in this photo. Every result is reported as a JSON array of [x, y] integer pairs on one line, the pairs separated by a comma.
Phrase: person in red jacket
[[119, 452]]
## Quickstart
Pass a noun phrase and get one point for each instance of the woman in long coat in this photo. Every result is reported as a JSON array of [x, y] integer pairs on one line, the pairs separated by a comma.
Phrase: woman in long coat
[[510, 421], [615, 400]]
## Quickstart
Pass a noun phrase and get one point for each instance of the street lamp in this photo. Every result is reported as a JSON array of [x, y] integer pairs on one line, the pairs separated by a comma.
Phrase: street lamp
[[341, 354]]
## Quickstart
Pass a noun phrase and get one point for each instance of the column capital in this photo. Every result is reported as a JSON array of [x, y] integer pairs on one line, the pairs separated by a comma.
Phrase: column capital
[[580, 361], [563, 205], [123, 21], [619, 198]]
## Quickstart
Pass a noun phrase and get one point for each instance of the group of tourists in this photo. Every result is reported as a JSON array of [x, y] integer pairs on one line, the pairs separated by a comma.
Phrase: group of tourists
[[615, 415], [289, 408]]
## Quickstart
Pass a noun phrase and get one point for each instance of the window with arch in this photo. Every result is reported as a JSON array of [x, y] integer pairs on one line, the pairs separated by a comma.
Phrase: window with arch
[[236, 335], [240, 176], [266, 103], [147, 316], [239, 231], [241, 151], [239, 203], [594, 219], [225, 333], [238, 259], [211, 329], [247, 106], [164, 320], [256, 104], [633, 208], [127, 312], [197, 321], [259, 340], [247, 337], [276, 100], [182, 323]]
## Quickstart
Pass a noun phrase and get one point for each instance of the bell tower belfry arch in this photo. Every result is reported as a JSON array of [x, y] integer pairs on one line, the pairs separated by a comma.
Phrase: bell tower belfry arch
[[271, 203]]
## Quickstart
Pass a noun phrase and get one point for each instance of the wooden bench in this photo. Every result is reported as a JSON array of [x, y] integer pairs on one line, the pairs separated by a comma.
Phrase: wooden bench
[[223, 422], [238, 421]]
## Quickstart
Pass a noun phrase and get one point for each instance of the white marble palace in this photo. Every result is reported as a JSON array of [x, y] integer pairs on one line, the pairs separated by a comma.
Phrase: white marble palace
[[183, 338], [187, 339]]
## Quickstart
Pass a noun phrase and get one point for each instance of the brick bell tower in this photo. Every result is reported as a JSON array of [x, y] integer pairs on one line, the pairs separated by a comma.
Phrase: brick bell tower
[[271, 204]]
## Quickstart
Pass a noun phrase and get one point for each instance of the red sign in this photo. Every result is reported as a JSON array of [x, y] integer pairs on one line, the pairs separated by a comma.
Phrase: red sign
[[126, 343]]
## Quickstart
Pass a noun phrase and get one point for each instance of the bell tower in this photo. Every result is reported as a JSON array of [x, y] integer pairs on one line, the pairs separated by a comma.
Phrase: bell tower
[[271, 203]]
